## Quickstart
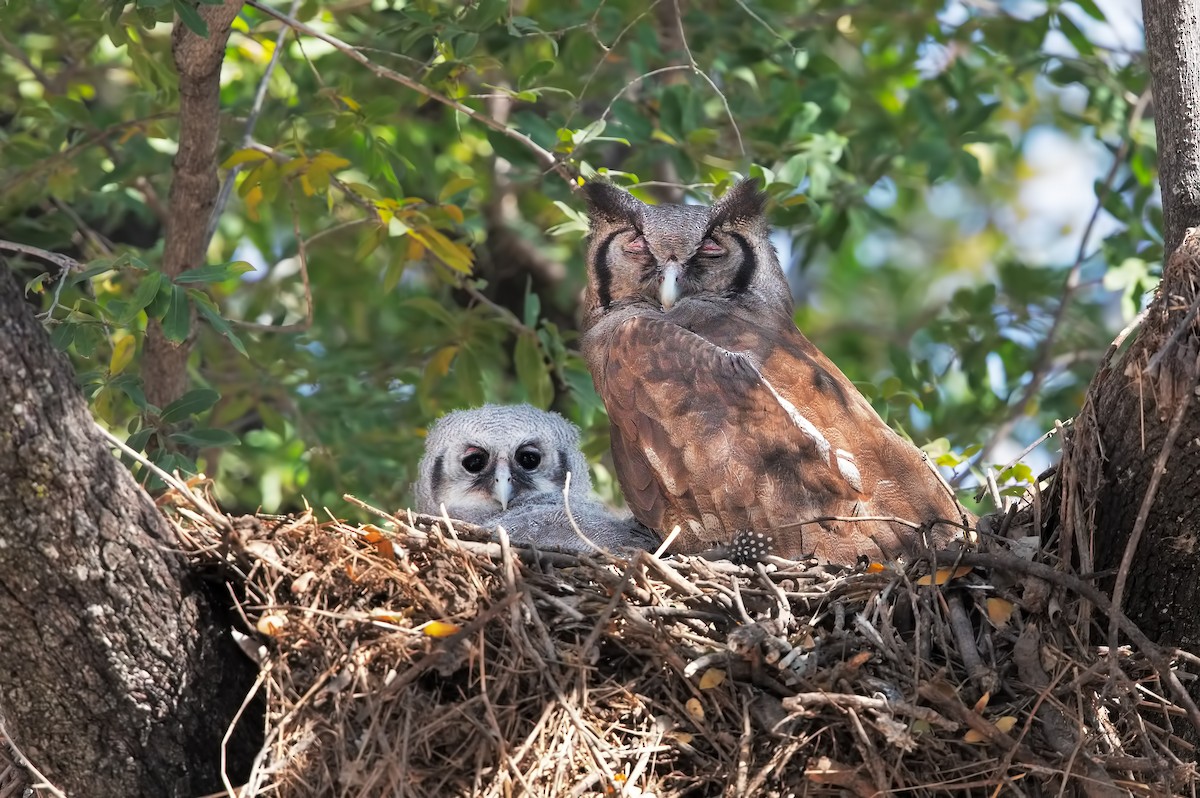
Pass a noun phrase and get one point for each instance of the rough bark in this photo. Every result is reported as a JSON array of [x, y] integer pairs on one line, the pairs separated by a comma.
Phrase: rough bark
[[1173, 45], [194, 184], [1120, 510], [114, 677]]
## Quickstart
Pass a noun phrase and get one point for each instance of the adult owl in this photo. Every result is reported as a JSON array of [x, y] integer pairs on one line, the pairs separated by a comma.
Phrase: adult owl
[[726, 420], [506, 465]]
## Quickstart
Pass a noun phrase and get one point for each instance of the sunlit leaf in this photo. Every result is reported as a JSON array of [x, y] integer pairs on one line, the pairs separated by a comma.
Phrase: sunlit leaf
[[944, 575], [190, 404], [122, 354], [440, 629]]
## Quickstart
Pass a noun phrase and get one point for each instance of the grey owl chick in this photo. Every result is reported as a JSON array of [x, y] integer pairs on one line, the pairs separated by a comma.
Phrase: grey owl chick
[[505, 465]]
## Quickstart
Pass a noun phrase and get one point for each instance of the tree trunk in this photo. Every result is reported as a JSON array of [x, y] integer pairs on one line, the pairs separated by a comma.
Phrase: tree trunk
[[114, 678], [194, 185], [1128, 474]]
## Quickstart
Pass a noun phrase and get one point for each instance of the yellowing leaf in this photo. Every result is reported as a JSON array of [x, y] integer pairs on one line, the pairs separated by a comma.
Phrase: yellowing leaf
[[440, 629], [416, 249], [695, 708], [122, 355], [999, 611], [1006, 723], [944, 575], [1003, 725], [388, 616], [454, 186], [248, 155], [328, 161], [253, 198], [350, 103], [454, 212], [711, 678], [272, 624], [439, 364]]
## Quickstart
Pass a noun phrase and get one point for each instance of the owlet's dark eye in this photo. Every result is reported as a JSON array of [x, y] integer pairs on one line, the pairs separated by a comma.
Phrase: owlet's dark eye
[[710, 248], [475, 461], [529, 459], [636, 246]]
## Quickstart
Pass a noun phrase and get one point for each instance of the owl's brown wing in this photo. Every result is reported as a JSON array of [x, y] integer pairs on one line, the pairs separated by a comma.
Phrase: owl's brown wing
[[701, 436]]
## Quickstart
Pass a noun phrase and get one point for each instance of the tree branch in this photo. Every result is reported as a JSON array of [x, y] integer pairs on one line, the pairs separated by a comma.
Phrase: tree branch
[[193, 184], [1172, 41], [544, 156]]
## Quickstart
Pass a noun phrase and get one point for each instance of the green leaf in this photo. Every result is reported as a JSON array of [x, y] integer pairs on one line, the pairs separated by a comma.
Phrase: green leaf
[[176, 320], [533, 308], [147, 289], [430, 308], [63, 336], [190, 17], [205, 437], [191, 403], [531, 371], [214, 272], [131, 386], [210, 312]]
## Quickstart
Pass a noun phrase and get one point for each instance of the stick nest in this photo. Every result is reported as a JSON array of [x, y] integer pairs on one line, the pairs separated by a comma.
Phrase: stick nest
[[422, 659]]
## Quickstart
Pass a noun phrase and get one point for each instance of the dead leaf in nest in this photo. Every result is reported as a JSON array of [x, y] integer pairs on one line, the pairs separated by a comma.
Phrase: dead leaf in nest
[[711, 678], [876, 568], [982, 703], [272, 624], [682, 737], [944, 575], [440, 629], [999, 611], [1003, 725], [382, 543], [303, 582], [695, 709], [858, 660], [389, 616], [265, 551]]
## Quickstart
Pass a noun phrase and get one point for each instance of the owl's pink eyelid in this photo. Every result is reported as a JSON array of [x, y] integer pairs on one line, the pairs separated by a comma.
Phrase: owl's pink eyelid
[[711, 247], [636, 246]]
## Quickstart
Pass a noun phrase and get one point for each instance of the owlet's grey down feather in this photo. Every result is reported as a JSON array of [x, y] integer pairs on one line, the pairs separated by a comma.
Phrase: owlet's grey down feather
[[506, 465]]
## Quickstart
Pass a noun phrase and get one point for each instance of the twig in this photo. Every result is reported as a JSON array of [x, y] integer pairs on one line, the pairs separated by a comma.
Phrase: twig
[[1139, 525], [70, 152], [63, 262], [697, 70], [260, 95], [652, 73], [544, 156], [302, 255], [1156, 361], [1043, 359], [42, 783], [1157, 656], [215, 518]]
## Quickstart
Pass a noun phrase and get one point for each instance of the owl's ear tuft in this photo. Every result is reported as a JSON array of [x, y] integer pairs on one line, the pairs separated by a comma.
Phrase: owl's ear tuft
[[606, 201], [743, 201]]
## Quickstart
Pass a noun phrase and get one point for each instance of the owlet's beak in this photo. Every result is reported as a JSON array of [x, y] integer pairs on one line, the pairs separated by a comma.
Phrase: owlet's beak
[[668, 289], [502, 489]]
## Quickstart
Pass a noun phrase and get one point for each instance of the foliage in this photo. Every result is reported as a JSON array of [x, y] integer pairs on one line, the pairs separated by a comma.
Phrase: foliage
[[442, 256]]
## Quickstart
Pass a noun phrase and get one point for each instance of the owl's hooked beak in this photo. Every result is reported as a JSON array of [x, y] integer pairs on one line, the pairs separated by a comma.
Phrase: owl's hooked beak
[[502, 489], [668, 288]]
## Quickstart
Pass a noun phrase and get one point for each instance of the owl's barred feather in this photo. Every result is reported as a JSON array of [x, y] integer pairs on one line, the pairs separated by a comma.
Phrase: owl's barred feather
[[726, 420]]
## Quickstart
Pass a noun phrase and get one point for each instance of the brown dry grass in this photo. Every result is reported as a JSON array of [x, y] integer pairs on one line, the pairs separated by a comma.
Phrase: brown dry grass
[[425, 660]]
